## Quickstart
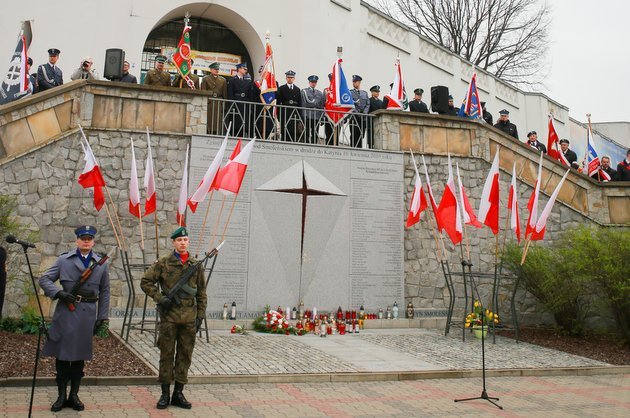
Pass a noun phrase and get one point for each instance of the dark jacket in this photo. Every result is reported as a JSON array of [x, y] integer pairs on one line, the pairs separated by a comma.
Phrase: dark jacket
[[539, 146], [507, 127], [376, 104], [47, 77], [571, 157], [487, 116], [289, 97], [623, 171], [241, 89], [418, 106]]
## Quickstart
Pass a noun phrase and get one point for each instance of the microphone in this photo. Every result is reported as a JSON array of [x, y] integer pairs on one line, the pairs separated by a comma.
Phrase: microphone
[[12, 240]]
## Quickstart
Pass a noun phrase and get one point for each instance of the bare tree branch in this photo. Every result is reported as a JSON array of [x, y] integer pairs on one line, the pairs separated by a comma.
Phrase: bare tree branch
[[507, 38]]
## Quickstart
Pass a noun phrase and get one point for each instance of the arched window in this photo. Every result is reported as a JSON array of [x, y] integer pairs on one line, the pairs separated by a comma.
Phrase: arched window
[[206, 36]]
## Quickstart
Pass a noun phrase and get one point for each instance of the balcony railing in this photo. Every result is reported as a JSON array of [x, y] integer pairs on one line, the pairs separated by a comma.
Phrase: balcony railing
[[290, 124]]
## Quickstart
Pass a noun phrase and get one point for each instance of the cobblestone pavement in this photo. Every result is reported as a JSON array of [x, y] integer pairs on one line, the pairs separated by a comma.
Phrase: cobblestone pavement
[[369, 351], [588, 396]]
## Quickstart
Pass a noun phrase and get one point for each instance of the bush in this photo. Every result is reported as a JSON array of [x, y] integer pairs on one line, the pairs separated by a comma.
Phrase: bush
[[10, 324], [584, 266]]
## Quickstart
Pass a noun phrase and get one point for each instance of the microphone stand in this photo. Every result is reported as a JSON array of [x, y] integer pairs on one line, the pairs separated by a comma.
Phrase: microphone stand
[[41, 330], [484, 393]]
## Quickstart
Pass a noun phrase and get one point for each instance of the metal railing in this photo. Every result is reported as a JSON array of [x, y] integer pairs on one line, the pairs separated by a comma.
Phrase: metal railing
[[290, 123]]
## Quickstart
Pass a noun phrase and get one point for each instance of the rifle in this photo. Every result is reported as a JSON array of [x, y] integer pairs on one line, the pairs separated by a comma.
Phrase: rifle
[[183, 280], [86, 275]]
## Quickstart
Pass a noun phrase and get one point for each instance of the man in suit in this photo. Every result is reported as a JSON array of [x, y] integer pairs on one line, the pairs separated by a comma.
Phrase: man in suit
[[71, 331], [417, 105], [359, 122], [216, 85], [49, 75], [568, 157], [532, 141], [312, 99], [157, 76], [240, 89], [505, 125], [290, 96]]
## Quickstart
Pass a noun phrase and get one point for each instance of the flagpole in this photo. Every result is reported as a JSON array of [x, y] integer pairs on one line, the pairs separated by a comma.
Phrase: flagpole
[[590, 136], [111, 222], [527, 243], [203, 226], [227, 222], [216, 224], [157, 247], [117, 219]]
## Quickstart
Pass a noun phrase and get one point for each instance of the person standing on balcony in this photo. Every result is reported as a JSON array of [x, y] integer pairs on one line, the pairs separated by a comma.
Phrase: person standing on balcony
[[417, 105], [532, 141], [312, 99], [375, 104], [157, 76], [359, 122], [49, 75], [505, 125], [240, 89], [85, 70], [623, 169], [216, 85], [569, 155], [181, 83], [290, 96]]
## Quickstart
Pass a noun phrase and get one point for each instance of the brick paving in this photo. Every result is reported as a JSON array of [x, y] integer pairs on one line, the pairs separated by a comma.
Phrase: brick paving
[[369, 351], [571, 396]]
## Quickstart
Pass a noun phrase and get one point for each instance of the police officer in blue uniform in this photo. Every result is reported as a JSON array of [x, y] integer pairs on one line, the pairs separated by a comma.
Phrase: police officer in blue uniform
[[312, 99], [71, 331], [49, 75], [240, 89], [359, 122], [290, 96]]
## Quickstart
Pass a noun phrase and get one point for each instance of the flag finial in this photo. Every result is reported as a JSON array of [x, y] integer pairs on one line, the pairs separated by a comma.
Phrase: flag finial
[[267, 34], [339, 51]]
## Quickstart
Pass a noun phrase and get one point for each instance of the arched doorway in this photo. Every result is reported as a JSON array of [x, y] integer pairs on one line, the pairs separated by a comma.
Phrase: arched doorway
[[210, 42]]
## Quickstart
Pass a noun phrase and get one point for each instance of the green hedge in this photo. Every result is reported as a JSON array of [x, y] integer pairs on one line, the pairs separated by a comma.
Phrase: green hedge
[[577, 276]]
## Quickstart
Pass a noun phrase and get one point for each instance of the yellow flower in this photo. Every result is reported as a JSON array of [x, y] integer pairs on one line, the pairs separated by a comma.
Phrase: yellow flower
[[476, 304]]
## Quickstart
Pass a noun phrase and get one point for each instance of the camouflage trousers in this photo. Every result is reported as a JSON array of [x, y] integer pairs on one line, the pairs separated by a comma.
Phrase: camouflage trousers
[[176, 343]]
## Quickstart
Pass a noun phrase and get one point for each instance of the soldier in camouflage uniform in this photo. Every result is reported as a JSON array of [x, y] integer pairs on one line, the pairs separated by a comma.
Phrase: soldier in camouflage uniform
[[216, 85], [157, 76], [178, 327]]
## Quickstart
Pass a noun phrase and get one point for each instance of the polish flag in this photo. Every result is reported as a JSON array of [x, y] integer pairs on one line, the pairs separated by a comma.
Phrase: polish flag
[[183, 195], [91, 175], [431, 198], [489, 205], [515, 221], [134, 191], [418, 199], [234, 170], [532, 204], [468, 213], [448, 210], [208, 178], [219, 176], [149, 180], [552, 141], [541, 224]]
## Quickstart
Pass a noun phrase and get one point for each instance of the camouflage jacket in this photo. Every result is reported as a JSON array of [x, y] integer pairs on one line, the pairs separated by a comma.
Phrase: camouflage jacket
[[165, 273]]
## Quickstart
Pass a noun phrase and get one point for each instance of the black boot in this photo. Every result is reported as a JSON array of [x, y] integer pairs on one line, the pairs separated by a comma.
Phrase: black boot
[[165, 399], [76, 373], [62, 385], [178, 398]]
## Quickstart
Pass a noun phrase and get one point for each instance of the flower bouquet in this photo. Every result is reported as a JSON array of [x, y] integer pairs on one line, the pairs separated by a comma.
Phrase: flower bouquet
[[480, 318], [275, 323], [238, 329]]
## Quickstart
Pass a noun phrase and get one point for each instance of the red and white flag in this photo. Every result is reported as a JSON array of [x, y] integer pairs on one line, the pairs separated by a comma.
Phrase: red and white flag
[[418, 199], [134, 191], [515, 221], [532, 204], [219, 176], [489, 204], [431, 197], [208, 178], [468, 214], [183, 195], [397, 99], [91, 175], [448, 210], [553, 148], [149, 180], [234, 171], [541, 224]]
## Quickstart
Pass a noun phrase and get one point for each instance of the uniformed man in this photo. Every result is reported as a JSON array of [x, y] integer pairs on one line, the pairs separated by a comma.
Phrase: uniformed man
[[532, 141], [375, 104], [157, 76], [71, 331], [216, 85], [312, 99], [32, 78], [505, 125], [290, 96], [240, 89], [452, 110], [85, 70], [49, 75], [606, 172], [417, 105], [179, 325], [361, 107], [487, 116], [181, 83], [569, 156]]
